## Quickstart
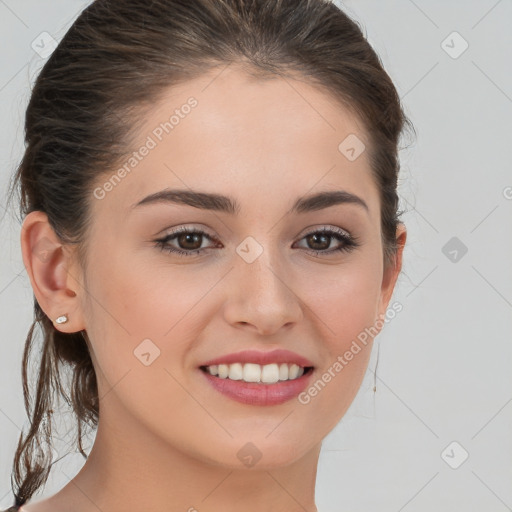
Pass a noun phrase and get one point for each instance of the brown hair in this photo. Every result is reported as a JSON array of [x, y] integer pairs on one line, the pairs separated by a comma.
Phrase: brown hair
[[111, 65]]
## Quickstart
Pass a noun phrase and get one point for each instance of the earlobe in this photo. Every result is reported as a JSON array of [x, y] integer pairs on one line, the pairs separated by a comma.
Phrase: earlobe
[[47, 266]]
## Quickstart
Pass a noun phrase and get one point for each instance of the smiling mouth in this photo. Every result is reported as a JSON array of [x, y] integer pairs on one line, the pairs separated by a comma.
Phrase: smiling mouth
[[255, 373]]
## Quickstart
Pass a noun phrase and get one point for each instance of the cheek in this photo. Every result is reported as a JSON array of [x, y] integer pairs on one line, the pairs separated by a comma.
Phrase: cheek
[[138, 301], [143, 320], [344, 307], [344, 300]]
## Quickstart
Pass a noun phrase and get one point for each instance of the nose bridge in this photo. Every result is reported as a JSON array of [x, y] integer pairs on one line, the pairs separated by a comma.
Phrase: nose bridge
[[262, 295], [260, 268]]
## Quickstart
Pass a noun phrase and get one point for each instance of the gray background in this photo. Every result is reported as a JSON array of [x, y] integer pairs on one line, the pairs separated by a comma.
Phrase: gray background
[[444, 361]]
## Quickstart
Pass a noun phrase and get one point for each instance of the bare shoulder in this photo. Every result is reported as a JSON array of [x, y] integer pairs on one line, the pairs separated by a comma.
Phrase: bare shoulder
[[39, 506], [62, 501], [31, 507]]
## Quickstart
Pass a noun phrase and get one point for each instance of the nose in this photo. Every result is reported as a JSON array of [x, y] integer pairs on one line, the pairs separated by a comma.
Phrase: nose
[[261, 297]]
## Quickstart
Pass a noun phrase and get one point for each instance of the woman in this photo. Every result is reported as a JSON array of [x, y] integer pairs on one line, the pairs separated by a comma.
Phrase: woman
[[211, 230]]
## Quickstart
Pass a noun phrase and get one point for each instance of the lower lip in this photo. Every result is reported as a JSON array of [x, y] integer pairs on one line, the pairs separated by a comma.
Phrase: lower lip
[[259, 393]]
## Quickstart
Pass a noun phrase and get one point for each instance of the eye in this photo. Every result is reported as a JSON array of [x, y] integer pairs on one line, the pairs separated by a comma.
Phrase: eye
[[189, 238], [189, 241], [321, 240]]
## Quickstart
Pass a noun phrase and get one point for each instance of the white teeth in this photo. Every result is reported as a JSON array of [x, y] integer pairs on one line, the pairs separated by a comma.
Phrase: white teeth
[[293, 372], [236, 371], [251, 372], [270, 373], [223, 371]]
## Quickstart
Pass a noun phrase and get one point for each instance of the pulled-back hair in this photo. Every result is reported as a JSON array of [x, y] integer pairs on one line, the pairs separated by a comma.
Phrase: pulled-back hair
[[114, 62]]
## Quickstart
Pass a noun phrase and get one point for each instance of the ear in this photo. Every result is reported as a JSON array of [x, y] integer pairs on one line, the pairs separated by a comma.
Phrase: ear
[[49, 267], [392, 271]]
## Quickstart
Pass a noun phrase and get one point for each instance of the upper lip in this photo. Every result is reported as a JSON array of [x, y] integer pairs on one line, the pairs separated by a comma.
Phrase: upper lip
[[262, 358]]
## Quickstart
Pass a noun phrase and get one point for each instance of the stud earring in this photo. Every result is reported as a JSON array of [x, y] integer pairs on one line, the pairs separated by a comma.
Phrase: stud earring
[[62, 319]]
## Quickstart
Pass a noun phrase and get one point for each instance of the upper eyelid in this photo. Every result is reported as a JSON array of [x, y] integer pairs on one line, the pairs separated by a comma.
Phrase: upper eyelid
[[201, 230], [336, 232], [348, 240], [189, 229]]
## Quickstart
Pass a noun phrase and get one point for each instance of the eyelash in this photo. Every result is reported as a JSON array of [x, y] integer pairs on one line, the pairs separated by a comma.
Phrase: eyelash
[[349, 242]]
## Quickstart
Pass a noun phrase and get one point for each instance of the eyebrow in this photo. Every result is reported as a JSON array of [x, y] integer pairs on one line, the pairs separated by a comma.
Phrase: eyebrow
[[225, 204]]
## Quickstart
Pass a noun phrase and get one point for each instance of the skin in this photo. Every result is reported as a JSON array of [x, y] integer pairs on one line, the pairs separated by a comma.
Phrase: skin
[[165, 436]]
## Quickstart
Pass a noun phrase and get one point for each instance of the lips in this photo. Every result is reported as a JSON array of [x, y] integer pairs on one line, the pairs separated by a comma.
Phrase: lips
[[262, 358]]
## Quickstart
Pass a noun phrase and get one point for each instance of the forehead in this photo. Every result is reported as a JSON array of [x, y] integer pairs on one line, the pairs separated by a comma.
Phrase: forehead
[[261, 141]]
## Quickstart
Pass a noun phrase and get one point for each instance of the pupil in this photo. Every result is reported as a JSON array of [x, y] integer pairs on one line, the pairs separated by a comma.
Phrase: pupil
[[185, 238], [316, 236]]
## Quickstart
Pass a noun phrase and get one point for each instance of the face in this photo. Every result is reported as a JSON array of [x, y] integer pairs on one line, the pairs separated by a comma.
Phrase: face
[[264, 276]]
